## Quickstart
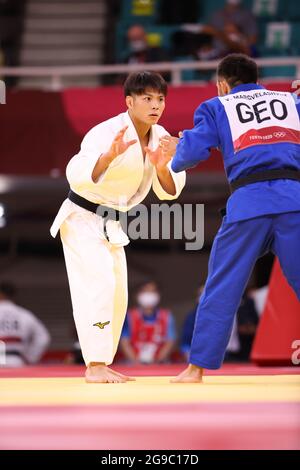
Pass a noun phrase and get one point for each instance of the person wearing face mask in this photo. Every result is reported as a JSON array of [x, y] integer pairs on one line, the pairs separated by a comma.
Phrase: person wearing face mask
[[140, 52], [258, 133], [148, 334]]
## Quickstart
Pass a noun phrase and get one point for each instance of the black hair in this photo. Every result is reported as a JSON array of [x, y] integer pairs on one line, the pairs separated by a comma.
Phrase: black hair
[[237, 69], [145, 283], [7, 289], [138, 82]]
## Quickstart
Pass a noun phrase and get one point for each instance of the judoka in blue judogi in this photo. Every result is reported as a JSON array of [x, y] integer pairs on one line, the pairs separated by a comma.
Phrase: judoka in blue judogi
[[258, 133]]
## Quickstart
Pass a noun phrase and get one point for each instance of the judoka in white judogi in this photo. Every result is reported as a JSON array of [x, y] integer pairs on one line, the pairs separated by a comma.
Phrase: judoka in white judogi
[[23, 337], [96, 264]]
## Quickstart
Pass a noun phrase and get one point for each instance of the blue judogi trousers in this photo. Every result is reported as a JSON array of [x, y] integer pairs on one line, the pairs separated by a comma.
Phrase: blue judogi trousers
[[235, 250]]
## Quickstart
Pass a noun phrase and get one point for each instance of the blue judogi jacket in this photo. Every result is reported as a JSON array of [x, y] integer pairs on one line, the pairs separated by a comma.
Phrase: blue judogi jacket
[[256, 130]]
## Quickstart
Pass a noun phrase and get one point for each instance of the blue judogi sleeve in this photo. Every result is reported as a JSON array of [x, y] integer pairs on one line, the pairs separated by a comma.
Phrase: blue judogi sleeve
[[196, 144], [297, 102]]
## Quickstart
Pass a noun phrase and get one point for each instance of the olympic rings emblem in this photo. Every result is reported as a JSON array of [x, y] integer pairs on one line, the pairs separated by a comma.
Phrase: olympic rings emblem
[[279, 135]]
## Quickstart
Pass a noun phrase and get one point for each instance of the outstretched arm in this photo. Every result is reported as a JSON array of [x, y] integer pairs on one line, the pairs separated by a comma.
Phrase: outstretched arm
[[196, 144]]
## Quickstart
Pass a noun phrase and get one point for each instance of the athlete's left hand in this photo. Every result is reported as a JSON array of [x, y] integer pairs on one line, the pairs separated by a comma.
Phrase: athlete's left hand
[[164, 152]]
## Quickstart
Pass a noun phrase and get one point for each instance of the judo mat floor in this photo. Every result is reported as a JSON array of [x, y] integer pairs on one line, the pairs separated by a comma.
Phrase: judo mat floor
[[236, 407]]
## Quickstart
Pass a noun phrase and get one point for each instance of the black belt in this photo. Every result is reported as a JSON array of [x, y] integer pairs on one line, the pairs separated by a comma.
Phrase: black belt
[[106, 212], [266, 175]]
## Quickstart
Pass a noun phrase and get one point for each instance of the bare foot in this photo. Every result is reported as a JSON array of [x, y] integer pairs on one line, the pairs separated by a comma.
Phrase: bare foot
[[100, 373], [126, 377], [192, 374]]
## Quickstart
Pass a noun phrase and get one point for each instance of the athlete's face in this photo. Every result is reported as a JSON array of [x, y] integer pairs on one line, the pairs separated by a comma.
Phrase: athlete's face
[[147, 107]]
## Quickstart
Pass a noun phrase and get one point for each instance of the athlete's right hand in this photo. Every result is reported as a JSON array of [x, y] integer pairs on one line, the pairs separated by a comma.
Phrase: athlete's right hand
[[118, 145]]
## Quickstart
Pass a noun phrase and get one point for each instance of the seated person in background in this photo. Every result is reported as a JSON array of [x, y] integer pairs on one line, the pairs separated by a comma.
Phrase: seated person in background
[[237, 41], [242, 336], [25, 338], [233, 12], [205, 48], [226, 41], [148, 334], [208, 44], [233, 15], [139, 50]]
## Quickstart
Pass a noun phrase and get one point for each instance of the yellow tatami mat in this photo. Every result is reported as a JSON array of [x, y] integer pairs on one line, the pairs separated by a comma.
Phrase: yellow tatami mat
[[149, 390]]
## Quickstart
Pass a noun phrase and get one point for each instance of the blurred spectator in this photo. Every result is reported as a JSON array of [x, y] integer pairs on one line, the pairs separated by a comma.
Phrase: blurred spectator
[[139, 50], [11, 26], [197, 44], [234, 24], [191, 44], [148, 334], [206, 43], [243, 331], [229, 40], [24, 336]]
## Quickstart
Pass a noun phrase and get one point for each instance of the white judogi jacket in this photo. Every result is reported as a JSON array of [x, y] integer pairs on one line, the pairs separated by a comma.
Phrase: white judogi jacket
[[124, 184], [23, 337]]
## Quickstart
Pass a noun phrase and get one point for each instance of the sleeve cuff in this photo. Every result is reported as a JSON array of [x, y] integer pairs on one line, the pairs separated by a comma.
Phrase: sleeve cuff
[[179, 181]]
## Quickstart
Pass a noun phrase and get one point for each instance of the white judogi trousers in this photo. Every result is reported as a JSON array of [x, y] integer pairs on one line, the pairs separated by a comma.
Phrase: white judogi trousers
[[97, 274]]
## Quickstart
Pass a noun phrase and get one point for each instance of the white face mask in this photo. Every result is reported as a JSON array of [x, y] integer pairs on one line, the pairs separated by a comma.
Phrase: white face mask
[[148, 299], [138, 45]]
